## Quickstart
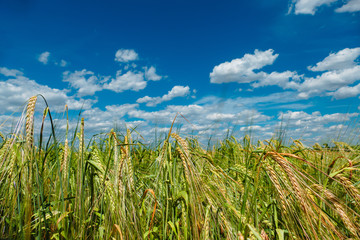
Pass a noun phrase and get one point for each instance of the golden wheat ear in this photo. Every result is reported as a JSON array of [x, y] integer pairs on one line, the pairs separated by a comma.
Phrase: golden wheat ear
[[30, 121]]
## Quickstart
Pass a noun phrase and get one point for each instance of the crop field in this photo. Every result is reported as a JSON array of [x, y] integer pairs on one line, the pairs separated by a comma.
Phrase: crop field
[[116, 187]]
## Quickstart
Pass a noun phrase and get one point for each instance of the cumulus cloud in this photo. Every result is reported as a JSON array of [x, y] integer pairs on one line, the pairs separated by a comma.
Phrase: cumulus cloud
[[346, 92], [213, 117], [16, 89], [121, 110], [167, 115], [316, 125], [126, 55], [282, 79], [84, 81], [162, 116], [241, 70], [176, 91], [205, 113], [103, 120], [244, 117], [342, 59], [328, 81], [10, 72], [87, 83], [206, 119], [150, 74], [250, 116], [309, 6], [44, 57], [129, 81], [254, 128], [300, 118], [220, 116], [340, 70], [350, 6]]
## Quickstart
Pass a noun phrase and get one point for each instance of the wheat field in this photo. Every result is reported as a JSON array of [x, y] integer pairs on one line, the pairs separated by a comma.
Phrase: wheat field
[[116, 187]]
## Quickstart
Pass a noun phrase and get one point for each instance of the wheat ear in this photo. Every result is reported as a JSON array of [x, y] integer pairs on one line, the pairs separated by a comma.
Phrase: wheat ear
[[30, 121], [339, 208]]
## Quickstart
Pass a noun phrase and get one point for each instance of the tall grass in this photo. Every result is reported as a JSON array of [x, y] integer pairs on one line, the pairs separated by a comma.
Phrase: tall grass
[[114, 187]]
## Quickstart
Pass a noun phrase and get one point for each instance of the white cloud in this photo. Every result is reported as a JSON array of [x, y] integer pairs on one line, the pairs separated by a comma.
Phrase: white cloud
[[63, 63], [167, 115], [301, 118], [150, 74], [161, 116], [121, 110], [337, 127], [297, 115], [253, 128], [129, 81], [88, 83], [111, 113], [126, 55], [14, 92], [281, 79], [250, 116], [316, 127], [341, 69], [85, 81], [241, 70], [97, 120], [44, 57], [329, 81], [176, 91], [309, 6], [225, 114], [10, 72], [346, 92], [220, 116], [342, 59], [350, 6]]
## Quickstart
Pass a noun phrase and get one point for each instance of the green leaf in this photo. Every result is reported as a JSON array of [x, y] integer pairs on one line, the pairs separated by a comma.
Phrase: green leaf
[[281, 233], [173, 227], [253, 230]]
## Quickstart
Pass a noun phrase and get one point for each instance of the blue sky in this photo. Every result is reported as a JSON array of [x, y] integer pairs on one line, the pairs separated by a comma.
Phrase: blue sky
[[239, 65]]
